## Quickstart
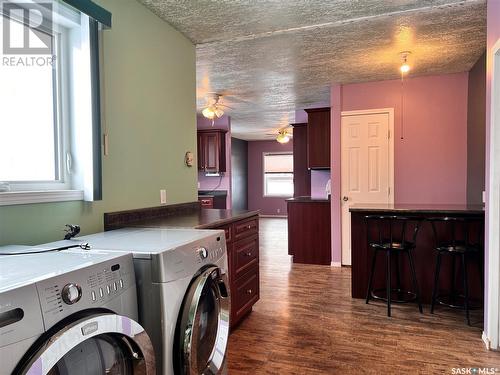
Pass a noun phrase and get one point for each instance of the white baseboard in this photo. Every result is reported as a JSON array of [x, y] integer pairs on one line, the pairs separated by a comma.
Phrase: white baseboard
[[486, 341], [336, 264]]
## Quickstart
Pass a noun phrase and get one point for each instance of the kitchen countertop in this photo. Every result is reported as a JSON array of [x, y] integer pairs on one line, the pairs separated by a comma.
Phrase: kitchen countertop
[[307, 200], [200, 219], [419, 208]]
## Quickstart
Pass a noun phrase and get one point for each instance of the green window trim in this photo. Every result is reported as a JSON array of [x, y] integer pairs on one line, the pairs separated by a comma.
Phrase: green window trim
[[93, 10]]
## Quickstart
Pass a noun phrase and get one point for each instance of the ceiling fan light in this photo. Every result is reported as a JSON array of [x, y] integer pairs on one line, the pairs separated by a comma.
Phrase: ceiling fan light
[[405, 68], [218, 112], [283, 138], [209, 113]]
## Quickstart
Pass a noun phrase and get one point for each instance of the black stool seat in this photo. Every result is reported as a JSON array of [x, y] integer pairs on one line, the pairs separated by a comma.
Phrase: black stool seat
[[453, 239], [391, 239], [457, 248], [393, 246]]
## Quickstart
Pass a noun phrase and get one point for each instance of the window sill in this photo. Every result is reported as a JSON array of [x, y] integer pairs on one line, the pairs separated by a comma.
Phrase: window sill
[[10, 198]]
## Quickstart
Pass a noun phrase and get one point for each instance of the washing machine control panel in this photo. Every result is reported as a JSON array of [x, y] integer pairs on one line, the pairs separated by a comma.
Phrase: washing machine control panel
[[212, 250], [71, 293], [86, 288], [202, 253]]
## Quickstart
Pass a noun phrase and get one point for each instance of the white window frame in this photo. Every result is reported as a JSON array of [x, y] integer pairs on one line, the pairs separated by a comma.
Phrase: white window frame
[[61, 126], [62, 189], [264, 175]]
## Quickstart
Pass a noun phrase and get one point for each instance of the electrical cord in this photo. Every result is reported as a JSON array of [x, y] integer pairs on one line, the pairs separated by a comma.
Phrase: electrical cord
[[83, 246], [218, 185]]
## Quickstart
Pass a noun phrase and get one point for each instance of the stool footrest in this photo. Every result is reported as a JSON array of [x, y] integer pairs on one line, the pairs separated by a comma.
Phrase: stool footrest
[[381, 294], [450, 301]]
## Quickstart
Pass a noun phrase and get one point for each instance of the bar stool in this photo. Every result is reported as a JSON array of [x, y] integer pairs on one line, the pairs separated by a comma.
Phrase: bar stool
[[455, 237], [391, 239]]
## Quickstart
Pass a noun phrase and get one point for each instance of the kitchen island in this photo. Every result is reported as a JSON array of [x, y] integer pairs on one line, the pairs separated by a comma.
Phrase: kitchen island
[[424, 255], [242, 240]]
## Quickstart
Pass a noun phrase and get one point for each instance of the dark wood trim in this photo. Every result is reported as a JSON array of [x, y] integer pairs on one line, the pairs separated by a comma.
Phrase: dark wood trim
[[313, 110], [120, 219]]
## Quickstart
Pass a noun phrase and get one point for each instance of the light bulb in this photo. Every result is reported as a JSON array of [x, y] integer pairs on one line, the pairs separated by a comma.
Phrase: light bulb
[[283, 138], [209, 113], [405, 68]]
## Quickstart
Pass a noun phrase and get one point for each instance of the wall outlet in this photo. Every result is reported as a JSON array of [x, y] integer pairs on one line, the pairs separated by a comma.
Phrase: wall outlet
[[199, 185], [484, 197], [163, 196], [278, 210]]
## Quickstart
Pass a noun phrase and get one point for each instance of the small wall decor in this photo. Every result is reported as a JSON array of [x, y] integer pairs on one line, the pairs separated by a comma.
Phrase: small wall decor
[[188, 158]]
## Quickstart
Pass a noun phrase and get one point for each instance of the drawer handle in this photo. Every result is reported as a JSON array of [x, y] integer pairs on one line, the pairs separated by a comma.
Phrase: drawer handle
[[249, 291], [249, 227], [249, 254]]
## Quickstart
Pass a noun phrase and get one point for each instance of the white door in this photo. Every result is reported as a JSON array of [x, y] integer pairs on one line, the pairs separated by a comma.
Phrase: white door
[[365, 169]]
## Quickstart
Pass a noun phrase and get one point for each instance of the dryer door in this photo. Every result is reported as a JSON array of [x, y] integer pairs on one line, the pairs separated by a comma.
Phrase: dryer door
[[204, 325], [97, 344]]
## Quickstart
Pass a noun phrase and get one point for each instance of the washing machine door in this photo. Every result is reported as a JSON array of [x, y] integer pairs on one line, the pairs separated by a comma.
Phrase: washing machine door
[[204, 325], [94, 345]]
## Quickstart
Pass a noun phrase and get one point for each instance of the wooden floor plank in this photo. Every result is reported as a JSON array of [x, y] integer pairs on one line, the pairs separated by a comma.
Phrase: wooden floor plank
[[307, 323]]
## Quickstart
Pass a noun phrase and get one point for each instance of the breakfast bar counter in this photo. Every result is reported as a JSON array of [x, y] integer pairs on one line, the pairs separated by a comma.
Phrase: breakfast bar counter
[[424, 254]]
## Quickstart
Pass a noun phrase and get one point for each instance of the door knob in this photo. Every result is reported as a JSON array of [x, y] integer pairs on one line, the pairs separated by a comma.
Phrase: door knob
[[345, 199]]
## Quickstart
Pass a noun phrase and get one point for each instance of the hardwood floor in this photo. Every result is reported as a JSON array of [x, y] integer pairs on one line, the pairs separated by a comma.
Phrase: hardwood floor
[[307, 323]]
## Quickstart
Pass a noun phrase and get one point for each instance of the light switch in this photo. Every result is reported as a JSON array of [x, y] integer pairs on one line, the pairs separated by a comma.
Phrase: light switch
[[163, 196]]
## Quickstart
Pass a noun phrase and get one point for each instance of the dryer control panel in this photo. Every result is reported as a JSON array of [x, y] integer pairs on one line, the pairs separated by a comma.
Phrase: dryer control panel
[[90, 287]]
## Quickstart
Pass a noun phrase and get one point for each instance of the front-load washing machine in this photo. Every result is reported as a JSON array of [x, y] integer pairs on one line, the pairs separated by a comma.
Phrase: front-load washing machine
[[183, 293], [71, 313]]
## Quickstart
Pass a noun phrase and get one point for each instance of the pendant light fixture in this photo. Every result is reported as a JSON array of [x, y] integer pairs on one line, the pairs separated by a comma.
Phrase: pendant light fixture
[[404, 69]]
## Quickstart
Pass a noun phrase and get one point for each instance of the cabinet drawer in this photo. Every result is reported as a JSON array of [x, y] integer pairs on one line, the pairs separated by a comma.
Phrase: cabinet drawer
[[246, 293], [246, 228], [246, 254]]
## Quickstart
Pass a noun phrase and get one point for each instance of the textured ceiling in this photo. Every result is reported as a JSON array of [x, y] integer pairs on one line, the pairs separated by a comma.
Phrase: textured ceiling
[[271, 57]]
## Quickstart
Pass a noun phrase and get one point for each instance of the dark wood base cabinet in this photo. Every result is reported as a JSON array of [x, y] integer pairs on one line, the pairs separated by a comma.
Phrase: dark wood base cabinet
[[242, 239], [309, 230]]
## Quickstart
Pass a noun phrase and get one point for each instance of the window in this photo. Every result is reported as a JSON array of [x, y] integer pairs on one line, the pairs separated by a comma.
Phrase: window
[[278, 175], [50, 136], [32, 143]]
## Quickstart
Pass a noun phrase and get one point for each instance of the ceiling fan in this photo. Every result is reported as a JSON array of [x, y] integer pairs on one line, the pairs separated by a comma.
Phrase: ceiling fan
[[213, 109], [283, 135]]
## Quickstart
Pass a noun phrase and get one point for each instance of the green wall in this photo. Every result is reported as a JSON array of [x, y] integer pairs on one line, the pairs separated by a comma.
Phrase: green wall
[[150, 111]]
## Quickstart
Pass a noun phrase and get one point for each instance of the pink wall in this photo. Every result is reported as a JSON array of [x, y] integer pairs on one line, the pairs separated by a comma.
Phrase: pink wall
[[493, 34], [319, 179], [223, 182], [256, 199], [430, 163]]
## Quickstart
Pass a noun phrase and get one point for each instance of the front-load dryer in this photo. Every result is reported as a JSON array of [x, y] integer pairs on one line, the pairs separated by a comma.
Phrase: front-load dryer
[[183, 293], [71, 313]]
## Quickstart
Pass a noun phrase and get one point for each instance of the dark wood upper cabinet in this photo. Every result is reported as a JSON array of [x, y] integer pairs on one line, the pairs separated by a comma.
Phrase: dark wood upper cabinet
[[301, 173], [318, 138], [212, 150]]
